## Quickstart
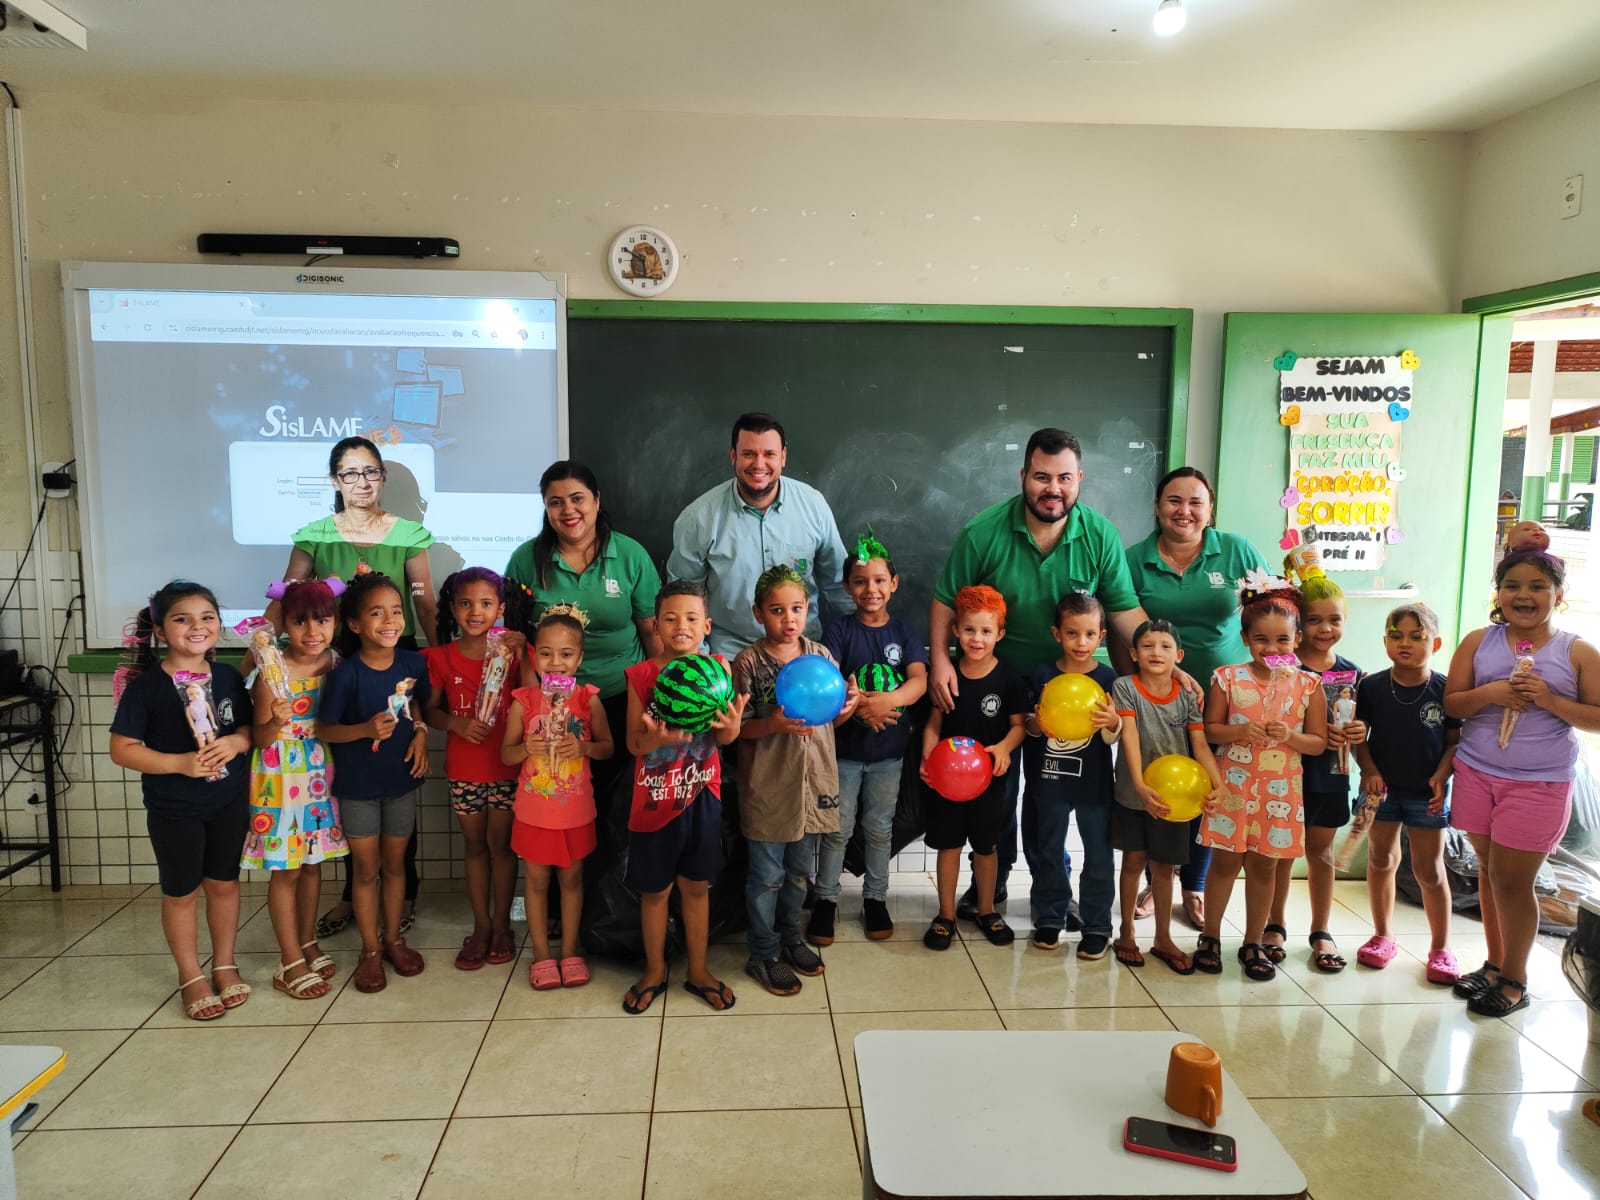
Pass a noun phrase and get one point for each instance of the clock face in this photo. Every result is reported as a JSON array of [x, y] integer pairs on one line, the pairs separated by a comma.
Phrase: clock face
[[643, 261]]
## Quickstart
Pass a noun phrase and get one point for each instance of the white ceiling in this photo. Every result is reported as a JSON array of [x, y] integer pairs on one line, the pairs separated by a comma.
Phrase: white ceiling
[[1315, 64]]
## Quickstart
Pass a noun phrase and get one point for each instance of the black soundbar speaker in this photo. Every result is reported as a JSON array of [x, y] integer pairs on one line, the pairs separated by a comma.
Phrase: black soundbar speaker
[[298, 244]]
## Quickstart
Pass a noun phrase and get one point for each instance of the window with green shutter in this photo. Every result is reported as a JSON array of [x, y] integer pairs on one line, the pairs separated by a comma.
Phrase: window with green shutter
[[1583, 459]]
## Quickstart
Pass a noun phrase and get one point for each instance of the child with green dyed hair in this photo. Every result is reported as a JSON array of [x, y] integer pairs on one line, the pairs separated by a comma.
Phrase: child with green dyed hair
[[889, 663]]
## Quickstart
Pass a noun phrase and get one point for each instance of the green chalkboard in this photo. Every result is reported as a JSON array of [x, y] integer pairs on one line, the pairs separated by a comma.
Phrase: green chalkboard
[[910, 419]]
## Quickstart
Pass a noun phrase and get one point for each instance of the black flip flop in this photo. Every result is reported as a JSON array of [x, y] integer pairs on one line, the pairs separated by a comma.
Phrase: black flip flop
[[642, 998], [721, 992], [1172, 963], [1275, 953]]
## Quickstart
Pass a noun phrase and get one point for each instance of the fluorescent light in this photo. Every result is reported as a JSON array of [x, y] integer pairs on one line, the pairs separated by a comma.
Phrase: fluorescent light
[[1170, 18]]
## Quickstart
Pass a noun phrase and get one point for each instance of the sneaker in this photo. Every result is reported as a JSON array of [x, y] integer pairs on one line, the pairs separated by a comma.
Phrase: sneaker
[[1074, 921], [967, 906], [1046, 938], [774, 975], [1093, 946], [875, 917], [820, 930], [803, 958]]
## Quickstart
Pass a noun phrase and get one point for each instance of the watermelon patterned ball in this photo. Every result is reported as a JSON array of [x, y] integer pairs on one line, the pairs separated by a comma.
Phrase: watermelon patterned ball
[[690, 691], [878, 677]]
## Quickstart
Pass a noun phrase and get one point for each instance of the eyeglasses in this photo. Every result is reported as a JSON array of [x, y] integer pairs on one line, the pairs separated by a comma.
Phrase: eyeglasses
[[370, 474]]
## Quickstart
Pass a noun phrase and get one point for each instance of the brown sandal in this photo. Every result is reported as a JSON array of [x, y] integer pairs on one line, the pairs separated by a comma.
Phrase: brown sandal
[[1128, 956], [370, 975], [405, 961]]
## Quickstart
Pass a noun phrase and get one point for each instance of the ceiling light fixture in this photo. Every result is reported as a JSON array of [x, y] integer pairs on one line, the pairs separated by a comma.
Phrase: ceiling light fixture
[[1170, 17]]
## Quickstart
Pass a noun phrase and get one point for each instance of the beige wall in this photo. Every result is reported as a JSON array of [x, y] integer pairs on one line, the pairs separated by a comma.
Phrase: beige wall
[[764, 208], [1513, 234]]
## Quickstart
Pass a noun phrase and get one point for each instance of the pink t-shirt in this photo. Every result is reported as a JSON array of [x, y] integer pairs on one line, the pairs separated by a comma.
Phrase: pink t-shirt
[[563, 799]]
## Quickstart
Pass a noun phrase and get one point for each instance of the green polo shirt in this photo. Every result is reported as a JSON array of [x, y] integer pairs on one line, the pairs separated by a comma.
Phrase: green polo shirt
[[996, 548], [615, 591], [1203, 602]]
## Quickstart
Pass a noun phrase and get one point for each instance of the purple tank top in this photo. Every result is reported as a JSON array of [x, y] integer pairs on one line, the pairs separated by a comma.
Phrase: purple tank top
[[1543, 747]]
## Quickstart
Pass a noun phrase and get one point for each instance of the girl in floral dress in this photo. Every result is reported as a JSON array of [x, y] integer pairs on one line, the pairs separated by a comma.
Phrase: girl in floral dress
[[294, 819]]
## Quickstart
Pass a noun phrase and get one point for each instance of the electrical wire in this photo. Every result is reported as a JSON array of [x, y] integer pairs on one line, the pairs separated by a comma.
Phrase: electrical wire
[[21, 562]]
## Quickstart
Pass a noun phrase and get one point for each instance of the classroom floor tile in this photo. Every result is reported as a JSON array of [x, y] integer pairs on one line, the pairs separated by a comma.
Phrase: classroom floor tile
[[470, 1084], [591, 1155]]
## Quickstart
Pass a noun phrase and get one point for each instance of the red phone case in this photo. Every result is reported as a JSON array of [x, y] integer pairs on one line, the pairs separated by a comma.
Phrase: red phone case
[[1178, 1155]]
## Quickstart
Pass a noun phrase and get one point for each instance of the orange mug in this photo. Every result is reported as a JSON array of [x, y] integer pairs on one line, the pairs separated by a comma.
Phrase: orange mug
[[1194, 1081]]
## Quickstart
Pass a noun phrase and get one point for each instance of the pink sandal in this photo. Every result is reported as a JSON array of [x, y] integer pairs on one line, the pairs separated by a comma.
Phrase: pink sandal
[[1377, 952], [574, 972], [544, 975], [1443, 968]]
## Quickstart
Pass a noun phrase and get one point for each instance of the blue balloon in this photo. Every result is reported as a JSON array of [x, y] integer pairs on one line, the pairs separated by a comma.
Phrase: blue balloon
[[810, 689]]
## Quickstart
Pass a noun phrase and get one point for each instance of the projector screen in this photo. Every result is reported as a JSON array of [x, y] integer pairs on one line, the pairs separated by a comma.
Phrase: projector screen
[[206, 400]]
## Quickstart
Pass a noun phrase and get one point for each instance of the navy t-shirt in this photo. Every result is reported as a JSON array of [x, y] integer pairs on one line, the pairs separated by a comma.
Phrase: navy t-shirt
[[984, 707], [1406, 729], [1318, 769], [1077, 772], [151, 711], [355, 693], [854, 645]]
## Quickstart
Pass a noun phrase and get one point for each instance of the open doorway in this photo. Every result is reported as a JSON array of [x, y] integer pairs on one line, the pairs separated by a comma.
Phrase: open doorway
[[1548, 473]]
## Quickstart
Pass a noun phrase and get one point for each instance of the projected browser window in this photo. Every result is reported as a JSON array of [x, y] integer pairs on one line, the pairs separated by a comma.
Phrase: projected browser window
[[242, 396]]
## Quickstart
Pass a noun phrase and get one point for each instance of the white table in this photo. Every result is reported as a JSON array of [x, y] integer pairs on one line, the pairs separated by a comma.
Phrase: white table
[[1024, 1114], [23, 1071]]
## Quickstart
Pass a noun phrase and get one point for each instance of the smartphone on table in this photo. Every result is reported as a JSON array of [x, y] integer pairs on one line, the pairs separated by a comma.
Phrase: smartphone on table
[[1200, 1147]]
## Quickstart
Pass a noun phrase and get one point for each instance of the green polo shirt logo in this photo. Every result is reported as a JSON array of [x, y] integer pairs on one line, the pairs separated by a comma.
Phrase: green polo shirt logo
[[613, 588], [1216, 579]]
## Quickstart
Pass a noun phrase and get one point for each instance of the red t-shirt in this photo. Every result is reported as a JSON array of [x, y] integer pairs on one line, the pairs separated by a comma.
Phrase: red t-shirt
[[455, 678], [666, 781]]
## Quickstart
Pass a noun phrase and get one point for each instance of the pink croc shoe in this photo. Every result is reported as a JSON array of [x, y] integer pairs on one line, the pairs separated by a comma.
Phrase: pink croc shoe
[[1377, 952], [1443, 968]]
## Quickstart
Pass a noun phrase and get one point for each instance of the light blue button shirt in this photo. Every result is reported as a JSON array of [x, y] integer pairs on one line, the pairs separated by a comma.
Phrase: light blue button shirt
[[722, 542]]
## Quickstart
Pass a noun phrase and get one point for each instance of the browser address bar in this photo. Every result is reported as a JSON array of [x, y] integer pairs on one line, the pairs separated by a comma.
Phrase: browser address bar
[[321, 331]]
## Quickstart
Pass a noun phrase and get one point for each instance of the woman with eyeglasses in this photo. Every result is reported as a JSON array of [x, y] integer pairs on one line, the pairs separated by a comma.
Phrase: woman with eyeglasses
[[360, 537]]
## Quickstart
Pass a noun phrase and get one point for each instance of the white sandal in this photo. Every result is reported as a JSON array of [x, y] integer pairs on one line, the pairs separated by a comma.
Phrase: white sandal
[[238, 993], [322, 964], [297, 989], [194, 1008]]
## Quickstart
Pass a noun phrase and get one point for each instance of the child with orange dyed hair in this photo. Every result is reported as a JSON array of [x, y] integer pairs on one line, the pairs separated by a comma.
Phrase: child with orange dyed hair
[[990, 705]]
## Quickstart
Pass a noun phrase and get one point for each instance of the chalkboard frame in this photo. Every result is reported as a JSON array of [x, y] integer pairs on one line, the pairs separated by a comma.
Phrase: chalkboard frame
[[1179, 320]]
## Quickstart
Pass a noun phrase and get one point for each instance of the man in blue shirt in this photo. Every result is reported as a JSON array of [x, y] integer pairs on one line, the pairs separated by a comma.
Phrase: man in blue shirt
[[729, 535]]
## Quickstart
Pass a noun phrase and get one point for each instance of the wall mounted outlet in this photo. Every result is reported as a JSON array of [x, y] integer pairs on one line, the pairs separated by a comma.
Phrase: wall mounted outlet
[[1572, 197], [56, 480]]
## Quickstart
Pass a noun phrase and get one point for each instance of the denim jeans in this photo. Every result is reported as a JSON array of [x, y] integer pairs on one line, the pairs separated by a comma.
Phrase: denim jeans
[[1044, 839], [774, 890], [1007, 849], [873, 791]]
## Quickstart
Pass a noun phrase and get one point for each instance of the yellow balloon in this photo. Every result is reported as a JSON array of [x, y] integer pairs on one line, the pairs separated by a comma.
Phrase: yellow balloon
[[1181, 783], [1066, 707]]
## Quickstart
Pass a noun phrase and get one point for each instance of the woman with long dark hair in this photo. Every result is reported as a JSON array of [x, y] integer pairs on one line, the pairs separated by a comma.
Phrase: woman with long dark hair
[[577, 558]]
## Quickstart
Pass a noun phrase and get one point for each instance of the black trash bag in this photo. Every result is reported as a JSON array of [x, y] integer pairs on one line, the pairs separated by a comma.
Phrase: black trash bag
[[1460, 868], [909, 824], [1580, 957]]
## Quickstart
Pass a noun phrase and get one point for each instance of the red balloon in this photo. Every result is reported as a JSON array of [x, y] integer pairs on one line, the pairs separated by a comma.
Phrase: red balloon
[[960, 769]]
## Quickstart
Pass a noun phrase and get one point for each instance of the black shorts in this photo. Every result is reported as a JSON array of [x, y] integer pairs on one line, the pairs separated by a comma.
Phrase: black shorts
[[1327, 810], [191, 848], [690, 846], [951, 824], [1165, 842]]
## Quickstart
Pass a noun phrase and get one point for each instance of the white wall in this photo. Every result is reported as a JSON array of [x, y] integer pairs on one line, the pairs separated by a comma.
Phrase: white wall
[[1512, 233], [762, 209]]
